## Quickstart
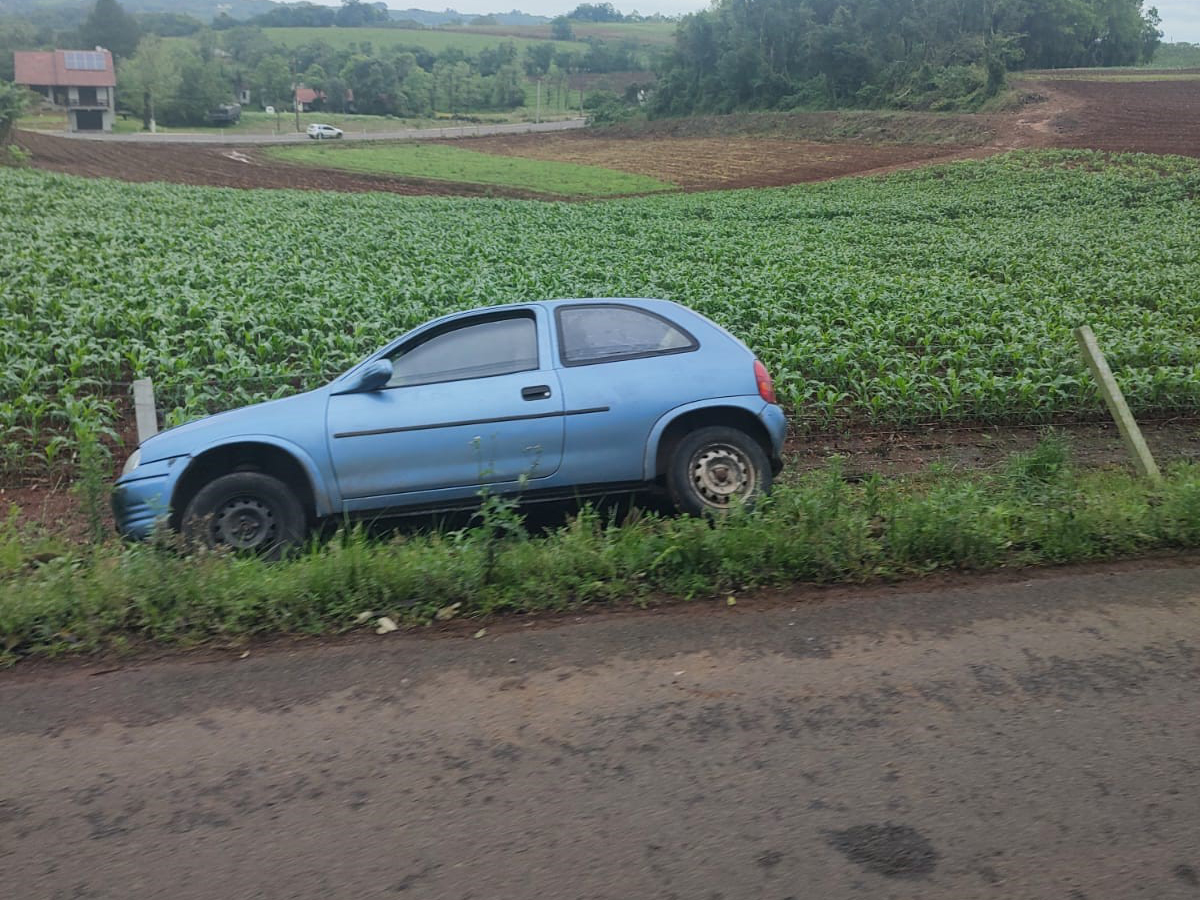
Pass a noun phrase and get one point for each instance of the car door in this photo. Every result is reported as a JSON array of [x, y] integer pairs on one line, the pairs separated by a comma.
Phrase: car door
[[628, 365], [469, 403]]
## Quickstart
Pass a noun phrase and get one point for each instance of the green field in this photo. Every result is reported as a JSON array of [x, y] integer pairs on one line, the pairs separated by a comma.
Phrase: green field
[[379, 38], [651, 34], [941, 294], [442, 163]]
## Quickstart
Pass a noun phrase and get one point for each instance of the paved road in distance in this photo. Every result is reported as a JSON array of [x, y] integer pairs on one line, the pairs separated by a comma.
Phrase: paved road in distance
[[291, 137]]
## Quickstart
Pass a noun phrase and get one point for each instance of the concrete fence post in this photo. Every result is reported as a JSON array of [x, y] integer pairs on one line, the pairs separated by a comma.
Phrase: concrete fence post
[[1131, 434], [143, 409]]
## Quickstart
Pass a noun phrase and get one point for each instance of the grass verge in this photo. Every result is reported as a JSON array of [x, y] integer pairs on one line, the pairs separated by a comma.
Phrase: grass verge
[[443, 163], [1037, 510]]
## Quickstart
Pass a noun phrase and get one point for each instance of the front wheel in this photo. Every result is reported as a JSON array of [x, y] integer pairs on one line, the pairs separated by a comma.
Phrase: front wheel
[[713, 469], [245, 511]]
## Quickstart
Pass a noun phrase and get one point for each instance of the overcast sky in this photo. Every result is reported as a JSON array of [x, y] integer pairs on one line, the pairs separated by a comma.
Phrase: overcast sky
[[1180, 18]]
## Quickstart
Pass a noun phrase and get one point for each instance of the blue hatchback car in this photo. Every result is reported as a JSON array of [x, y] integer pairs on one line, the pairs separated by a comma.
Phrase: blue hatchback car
[[552, 400]]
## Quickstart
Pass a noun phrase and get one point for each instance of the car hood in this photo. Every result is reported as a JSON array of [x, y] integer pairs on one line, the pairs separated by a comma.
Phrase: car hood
[[285, 418]]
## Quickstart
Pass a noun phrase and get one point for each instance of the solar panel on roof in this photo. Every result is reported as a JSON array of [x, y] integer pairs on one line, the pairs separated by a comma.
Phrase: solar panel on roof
[[86, 61]]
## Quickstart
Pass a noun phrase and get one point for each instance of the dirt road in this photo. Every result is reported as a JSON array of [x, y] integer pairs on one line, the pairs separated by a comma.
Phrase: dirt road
[[1016, 737]]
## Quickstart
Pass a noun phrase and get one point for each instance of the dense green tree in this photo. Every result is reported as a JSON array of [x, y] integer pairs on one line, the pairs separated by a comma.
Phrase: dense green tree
[[272, 82], [507, 87], [908, 53], [296, 15], [12, 104], [595, 12], [335, 93], [418, 91], [248, 45], [315, 77], [560, 29], [202, 88], [15, 34], [150, 78], [539, 58], [373, 82], [109, 26], [490, 60], [167, 24], [172, 82], [356, 14]]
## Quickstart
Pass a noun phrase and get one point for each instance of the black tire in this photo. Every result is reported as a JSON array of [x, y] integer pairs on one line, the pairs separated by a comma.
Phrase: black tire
[[714, 468], [245, 511]]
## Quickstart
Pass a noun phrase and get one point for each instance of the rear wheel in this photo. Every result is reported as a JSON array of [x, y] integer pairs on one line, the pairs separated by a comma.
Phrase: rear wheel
[[245, 511], [713, 469]]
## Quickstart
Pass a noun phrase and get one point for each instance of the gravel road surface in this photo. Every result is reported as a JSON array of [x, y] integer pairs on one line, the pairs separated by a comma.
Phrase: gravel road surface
[[1020, 736]]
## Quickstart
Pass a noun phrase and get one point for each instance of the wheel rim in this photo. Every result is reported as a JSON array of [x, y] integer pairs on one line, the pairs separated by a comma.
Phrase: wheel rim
[[244, 523], [720, 473]]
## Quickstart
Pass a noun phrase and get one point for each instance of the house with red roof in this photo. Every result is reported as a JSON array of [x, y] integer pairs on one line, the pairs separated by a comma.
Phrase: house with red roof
[[309, 99], [83, 82]]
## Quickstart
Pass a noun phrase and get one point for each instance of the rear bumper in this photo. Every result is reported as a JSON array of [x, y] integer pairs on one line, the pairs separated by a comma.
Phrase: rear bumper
[[775, 422]]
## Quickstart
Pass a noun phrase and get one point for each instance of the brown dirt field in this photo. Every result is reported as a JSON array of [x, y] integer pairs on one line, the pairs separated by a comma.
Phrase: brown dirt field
[[1114, 115], [716, 152], [1143, 116], [221, 166], [696, 163]]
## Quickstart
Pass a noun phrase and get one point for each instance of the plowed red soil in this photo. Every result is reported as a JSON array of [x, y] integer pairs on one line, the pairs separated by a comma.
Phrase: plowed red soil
[[218, 165], [1138, 116], [1115, 114], [703, 164]]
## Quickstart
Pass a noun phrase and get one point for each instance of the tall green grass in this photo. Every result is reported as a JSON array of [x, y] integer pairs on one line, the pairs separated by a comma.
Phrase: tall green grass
[[1038, 510]]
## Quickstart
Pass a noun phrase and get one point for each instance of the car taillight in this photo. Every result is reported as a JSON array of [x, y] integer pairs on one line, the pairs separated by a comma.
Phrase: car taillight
[[766, 387]]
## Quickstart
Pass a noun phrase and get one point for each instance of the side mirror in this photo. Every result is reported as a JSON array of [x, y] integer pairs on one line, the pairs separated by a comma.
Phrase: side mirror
[[373, 376]]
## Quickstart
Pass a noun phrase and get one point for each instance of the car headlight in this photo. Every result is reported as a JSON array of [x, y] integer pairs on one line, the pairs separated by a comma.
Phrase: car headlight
[[132, 463]]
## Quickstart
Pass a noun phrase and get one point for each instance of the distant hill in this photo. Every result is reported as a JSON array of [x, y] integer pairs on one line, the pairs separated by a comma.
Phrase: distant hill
[[206, 10]]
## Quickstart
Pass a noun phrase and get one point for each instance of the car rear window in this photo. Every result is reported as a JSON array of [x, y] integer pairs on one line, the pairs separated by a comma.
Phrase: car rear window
[[474, 349], [607, 333]]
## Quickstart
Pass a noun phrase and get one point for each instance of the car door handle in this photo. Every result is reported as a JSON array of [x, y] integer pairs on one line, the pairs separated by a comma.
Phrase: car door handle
[[535, 392]]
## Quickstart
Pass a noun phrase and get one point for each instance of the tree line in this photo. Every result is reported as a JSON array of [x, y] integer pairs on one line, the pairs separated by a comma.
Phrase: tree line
[[175, 70], [919, 54]]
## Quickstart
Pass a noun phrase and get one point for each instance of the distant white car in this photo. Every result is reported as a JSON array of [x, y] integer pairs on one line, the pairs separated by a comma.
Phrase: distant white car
[[318, 132]]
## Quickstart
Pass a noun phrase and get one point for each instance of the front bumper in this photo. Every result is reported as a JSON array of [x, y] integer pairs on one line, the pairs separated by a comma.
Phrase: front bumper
[[141, 499]]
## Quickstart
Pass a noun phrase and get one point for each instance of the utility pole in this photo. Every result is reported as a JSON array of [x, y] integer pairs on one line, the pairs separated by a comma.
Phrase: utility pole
[[538, 118]]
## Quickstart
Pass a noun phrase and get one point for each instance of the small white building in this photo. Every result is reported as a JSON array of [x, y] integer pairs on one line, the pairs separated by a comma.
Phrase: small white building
[[83, 82]]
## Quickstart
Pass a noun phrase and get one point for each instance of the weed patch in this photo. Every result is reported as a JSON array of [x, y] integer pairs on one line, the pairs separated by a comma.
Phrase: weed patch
[[822, 529]]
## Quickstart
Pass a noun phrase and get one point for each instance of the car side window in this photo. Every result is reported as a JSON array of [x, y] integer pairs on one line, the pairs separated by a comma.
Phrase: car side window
[[606, 333], [473, 349]]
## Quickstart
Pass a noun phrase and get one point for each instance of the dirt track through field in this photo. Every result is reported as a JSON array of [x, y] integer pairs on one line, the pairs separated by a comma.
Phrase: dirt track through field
[[1114, 115]]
